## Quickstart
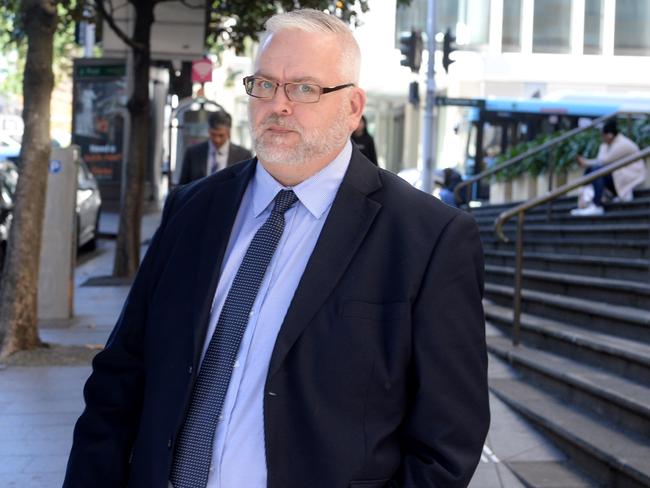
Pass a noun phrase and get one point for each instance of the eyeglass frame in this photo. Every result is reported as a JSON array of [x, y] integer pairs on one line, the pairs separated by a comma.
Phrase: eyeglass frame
[[323, 90]]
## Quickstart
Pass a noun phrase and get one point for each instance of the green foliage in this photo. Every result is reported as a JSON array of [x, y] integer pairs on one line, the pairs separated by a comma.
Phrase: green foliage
[[564, 154], [13, 42], [231, 22]]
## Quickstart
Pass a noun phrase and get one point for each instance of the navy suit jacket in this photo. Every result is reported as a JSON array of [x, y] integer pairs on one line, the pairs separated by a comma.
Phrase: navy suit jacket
[[378, 377], [195, 160]]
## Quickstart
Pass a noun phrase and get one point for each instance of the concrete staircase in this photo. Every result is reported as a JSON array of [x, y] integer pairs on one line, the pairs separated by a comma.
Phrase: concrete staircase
[[584, 360]]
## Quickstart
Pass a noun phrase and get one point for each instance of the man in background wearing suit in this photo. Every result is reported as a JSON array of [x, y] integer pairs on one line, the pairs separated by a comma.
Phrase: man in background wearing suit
[[214, 154], [304, 319]]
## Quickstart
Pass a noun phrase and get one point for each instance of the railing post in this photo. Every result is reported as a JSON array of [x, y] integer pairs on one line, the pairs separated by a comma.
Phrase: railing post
[[550, 158], [519, 252]]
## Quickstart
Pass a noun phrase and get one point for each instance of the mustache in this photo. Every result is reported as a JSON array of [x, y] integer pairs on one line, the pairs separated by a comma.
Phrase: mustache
[[276, 120]]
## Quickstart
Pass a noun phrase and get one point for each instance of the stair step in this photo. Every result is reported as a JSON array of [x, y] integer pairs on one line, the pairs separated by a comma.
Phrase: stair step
[[562, 216], [549, 474], [640, 200], [610, 290], [615, 232], [628, 322], [628, 248], [602, 266], [616, 458], [625, 357], [621, 401]]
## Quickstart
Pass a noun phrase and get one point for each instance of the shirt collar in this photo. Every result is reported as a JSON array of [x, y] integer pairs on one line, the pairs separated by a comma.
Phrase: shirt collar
[[316, 193], [222, 150]]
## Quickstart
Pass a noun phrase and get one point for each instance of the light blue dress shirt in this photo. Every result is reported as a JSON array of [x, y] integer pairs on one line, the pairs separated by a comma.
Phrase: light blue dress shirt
[[238, 458]]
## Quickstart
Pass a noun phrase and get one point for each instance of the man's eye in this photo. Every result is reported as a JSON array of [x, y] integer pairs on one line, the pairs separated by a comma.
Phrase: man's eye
[[303, 88], [265, 84]]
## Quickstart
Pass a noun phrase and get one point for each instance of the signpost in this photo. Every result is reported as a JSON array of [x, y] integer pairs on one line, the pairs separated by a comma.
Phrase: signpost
[[429, 129]]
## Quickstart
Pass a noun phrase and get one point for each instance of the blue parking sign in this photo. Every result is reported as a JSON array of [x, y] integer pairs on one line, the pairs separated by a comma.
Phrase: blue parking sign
[[55, 166]]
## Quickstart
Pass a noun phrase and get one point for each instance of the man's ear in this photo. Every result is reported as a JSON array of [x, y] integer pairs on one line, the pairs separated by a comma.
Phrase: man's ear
[[357, 106]]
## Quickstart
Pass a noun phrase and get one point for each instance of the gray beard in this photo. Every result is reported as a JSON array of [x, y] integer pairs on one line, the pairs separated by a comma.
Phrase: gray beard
[[314, 144]]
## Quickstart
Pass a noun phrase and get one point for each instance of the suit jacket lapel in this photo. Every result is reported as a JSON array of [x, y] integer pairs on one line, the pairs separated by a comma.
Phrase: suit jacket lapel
[[217, 224], [350, 217]]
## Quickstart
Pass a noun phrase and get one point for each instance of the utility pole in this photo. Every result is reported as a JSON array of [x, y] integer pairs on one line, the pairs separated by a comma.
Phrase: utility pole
[[429, 129], [89, 32]]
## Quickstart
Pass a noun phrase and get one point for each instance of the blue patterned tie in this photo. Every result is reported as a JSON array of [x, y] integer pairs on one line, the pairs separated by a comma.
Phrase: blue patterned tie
[[193, 454]]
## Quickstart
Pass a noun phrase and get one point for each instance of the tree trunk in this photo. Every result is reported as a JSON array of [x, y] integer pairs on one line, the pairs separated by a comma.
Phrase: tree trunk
[[19, 285], [127, 253]]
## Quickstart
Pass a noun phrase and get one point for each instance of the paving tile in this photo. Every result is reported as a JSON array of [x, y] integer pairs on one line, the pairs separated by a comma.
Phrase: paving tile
[[35, 447], [48, 464], [13, 464], [31, 480]]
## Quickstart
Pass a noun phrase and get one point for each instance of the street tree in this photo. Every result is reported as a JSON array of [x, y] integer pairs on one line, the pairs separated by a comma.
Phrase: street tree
[[34, 22], [127, 251]]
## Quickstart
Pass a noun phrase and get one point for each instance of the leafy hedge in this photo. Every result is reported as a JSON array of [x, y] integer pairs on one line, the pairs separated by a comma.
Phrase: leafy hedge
[[564, 154]]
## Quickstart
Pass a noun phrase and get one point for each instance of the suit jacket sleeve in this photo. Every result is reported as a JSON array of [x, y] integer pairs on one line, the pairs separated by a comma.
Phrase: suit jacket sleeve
[[105, 432], [448, 417], [186, 168]]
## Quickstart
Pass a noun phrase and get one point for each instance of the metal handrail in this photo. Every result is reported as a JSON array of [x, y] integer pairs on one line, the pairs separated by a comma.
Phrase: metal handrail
[[521, 209], [531, 152]]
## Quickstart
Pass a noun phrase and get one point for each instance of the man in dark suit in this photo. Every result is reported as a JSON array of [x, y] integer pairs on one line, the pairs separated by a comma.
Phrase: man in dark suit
[[214, 154], [304, 319]]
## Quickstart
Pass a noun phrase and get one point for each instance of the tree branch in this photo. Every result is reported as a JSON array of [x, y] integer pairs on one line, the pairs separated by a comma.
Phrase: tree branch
[[110, 20]]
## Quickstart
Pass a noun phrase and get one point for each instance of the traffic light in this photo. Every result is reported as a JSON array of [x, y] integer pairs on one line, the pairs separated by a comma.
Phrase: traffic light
[[447, 48], [411, 49]]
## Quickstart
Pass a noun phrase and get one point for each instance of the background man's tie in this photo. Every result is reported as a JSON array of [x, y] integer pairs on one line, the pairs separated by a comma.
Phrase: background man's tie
[[214, 164], [193, 454]]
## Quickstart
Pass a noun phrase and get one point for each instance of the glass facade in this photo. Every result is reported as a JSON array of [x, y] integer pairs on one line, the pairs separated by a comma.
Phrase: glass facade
[[593, 40], [468, 19], [511, 30], [632, 29], [552, 26]]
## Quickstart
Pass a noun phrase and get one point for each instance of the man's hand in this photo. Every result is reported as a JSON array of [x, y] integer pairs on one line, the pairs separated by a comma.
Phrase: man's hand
[[581, 160]]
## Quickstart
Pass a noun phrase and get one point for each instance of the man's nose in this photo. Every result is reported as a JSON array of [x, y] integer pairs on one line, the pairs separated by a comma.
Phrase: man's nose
[[281, 103]]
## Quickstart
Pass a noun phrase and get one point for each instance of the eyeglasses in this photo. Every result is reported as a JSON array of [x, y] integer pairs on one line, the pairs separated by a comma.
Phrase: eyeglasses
[[296, 92]]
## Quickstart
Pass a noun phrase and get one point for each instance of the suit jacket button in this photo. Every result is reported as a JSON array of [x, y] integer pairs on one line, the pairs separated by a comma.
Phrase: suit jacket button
[[189, 370], [169, 443]]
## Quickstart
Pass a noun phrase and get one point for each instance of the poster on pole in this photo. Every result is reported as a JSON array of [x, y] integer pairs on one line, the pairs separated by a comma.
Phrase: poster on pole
[[99, 117]]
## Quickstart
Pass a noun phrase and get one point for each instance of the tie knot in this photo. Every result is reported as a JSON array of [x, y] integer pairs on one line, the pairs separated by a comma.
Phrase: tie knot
[[283, 200]]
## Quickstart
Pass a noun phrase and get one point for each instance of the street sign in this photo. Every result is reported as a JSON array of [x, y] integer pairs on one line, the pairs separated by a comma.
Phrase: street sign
[[461, 102], [55, 166], [201, 70]]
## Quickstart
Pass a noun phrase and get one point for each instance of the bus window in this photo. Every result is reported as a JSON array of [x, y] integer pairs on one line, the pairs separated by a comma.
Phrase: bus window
[[492, 136]]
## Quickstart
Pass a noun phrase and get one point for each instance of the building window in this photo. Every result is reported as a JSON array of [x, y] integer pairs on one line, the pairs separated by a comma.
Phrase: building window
[[631, 34], [473, 24], [552, 26], [511, 36], [593, 42], [469, 20]]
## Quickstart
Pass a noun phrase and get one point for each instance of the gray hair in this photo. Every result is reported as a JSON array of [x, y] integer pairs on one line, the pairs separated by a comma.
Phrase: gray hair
[[220, 118], [315, 21]]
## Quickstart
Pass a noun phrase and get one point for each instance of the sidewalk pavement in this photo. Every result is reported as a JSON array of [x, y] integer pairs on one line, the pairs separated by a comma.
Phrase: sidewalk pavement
[[40, 404]]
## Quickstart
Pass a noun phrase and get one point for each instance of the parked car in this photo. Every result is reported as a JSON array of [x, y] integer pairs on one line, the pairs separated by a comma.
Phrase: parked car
[[88, 205], [8, 180], [9, 147]]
